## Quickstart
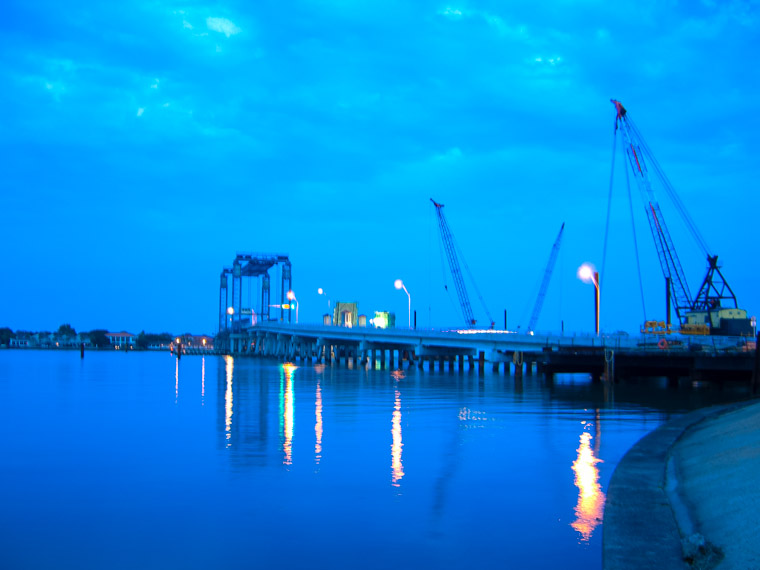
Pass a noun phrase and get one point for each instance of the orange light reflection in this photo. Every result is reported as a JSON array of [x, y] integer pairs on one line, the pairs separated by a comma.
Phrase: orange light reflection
[[590, 507]]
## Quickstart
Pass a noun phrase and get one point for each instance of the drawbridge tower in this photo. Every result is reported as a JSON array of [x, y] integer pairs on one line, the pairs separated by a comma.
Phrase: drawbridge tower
[[251, 272]]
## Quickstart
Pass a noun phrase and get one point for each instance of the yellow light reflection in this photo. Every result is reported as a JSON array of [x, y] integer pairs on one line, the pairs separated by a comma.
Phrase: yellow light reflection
[[287, 413], [590, 506], [397, 467], [318, 425], [228, 400]]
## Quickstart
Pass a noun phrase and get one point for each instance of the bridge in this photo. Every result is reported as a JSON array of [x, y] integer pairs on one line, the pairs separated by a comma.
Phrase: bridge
[[610, 357]]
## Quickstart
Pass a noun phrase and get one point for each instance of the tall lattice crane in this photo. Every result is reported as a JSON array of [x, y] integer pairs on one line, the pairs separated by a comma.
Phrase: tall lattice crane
[[545, 281], [714, 291], [456, 273]]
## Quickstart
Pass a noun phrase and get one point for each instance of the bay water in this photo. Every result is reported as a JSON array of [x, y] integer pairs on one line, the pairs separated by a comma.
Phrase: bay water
[[141, 460]]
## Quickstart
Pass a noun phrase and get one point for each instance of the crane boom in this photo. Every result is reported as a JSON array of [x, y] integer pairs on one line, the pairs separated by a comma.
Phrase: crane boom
[[456, 273], [546, 279], [635, 150], [715, 306]]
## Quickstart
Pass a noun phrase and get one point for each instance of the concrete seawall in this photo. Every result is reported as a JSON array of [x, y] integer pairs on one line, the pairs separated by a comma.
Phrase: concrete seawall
[[688, 494]]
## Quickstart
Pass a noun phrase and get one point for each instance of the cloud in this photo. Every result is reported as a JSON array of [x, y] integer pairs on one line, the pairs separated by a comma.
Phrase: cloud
[[223, 26], [140, 112]]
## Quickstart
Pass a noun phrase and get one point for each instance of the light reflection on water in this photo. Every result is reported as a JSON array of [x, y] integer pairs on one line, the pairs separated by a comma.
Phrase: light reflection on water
[[228, 370], [590, 507], [492, 469]]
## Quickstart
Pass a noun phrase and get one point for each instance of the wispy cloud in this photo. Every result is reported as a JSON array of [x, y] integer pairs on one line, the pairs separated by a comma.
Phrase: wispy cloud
[[223, 26]]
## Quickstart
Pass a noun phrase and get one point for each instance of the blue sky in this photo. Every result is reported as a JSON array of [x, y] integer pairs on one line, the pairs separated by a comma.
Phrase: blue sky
[[145, 143]]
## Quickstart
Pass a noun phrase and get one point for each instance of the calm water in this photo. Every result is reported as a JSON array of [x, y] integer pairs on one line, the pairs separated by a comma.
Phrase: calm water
[[141, 461]]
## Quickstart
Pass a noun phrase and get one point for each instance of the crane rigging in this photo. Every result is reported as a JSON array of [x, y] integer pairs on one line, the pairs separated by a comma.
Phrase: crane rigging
[[545, 280], [448, 244], [714, 309]]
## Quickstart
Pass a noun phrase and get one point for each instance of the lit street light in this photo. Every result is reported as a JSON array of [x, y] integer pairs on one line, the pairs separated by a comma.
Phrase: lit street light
[[321, 291], [400, 285], [587, 274], [231, 312], [292, 297]]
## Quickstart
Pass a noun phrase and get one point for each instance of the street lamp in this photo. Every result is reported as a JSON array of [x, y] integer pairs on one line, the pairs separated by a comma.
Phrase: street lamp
[[587, 274], [327, 319], [231, 312], [292, 297], [398, 284], [321, 291]]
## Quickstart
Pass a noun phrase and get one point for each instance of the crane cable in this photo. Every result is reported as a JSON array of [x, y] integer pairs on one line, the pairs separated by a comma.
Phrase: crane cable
[[609, 198], [633, 225], [474, 283], [677, 203], [635, 243]]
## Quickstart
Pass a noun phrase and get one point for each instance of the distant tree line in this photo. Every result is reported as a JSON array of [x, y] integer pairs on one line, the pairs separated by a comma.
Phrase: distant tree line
[[144, 340], [97, 337]]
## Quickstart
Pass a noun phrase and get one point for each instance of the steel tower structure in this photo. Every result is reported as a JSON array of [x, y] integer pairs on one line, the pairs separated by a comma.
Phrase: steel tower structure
[[247, 267]]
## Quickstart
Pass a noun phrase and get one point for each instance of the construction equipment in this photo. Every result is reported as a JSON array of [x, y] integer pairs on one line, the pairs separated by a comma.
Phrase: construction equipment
[[456, 273], [710, 309], [545, 281]]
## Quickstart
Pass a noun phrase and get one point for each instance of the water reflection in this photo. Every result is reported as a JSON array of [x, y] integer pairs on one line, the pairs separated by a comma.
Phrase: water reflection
[[318, 425], [397, 467], [176, 382], [203, 379], [229, 361], [286, 411], [590, 506]]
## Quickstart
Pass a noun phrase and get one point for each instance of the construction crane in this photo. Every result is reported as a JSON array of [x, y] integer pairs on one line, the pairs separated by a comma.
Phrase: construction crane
[[545, 281], [708, 311], [456, 273]]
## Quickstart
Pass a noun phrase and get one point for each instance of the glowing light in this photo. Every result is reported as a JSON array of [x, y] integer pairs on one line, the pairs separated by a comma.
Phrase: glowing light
[[318, 425], [398, 284], [230, 310], [397, 467], [590, 507], [228, 400], [320, 291], [586, 273]]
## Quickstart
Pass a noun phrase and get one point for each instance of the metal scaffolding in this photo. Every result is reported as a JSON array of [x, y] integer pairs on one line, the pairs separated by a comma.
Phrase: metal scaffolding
[[250, 271]]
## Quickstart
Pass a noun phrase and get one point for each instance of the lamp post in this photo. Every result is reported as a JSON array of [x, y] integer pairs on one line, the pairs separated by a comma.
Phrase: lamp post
[[327, 319], [400, 285], [587, 274], [321, 291], [292, 297]]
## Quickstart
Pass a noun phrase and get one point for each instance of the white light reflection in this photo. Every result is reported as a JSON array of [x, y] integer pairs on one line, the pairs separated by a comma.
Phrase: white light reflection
[[590, 507], [228, 400], [318, 425], [287, 413], [397, 466], [203, 378], [176, 382]]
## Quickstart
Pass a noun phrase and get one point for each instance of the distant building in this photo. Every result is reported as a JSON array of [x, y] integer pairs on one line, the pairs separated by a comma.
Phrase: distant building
[[121, 339], [345, 314]]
